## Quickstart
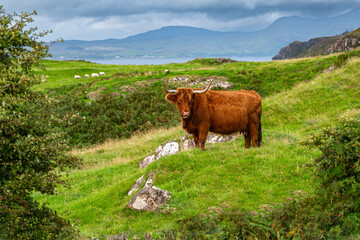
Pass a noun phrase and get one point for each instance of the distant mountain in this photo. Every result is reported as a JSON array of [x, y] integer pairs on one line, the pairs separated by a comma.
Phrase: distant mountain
[[320, 46], [189, 42]]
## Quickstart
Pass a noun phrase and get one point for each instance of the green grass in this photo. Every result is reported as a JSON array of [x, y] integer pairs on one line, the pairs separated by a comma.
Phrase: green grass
[[225, 175], [266, 77]]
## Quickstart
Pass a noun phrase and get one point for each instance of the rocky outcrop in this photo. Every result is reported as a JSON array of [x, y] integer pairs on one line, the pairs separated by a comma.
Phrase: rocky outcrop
[[201, 82], [343, 44], [295, 49], [149, 198], [320, 46], [181, 144]]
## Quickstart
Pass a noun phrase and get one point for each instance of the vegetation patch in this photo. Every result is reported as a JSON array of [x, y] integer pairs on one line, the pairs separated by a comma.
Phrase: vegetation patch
[[226, 176]]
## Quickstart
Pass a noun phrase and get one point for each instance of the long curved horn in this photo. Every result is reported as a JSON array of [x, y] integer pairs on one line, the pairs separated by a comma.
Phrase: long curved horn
[[168, 91], [202, 91]]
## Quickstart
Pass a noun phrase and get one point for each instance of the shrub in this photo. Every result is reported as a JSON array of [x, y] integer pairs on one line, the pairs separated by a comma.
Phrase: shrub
[[87, 122], [337, 170], [32, 156]]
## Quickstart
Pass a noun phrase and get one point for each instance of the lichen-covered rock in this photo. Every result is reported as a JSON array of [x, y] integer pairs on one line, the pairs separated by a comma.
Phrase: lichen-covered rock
[[300, 193], [201, 82], [149, 198], [169, 149], [266, 208], [136, 185], [343, 44], [330, 69], [183, 143]]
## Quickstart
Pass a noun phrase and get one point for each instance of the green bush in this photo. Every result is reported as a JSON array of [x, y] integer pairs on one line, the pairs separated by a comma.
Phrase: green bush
[[32, 156], [87, 122], [337, 171]]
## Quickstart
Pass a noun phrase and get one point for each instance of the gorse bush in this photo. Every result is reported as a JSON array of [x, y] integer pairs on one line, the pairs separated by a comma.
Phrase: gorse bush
[[337, 171], [32, 156], [87, 122], [338, 167]]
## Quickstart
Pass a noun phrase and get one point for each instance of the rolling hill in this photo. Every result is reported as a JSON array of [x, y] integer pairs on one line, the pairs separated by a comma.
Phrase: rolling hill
[[299, 99]]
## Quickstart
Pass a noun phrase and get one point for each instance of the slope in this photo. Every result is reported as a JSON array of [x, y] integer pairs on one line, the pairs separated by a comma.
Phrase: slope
[[224, 176]]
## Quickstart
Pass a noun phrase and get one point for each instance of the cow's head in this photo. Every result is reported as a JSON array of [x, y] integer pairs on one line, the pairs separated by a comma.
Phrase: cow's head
[[184, 98]]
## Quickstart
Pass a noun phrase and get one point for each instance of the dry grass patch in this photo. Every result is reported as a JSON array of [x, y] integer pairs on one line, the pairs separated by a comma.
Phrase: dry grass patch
[[121, 151]]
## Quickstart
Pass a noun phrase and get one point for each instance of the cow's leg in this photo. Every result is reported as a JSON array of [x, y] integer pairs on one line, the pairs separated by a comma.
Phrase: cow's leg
[[203, 132], [196, 139], [247, 140], [253, 129]]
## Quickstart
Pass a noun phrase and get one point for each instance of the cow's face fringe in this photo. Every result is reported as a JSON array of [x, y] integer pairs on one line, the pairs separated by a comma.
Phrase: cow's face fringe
[[183, 99]]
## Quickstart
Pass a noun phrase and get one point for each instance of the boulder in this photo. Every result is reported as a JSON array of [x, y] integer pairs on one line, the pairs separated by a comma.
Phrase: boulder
[[183, 143], [149, 198]]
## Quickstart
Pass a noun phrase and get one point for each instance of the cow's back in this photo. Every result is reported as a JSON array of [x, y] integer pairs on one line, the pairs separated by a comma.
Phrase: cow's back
[[230, 110], [245, 99]]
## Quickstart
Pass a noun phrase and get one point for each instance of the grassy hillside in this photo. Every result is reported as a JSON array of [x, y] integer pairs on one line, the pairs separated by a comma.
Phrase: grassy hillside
[[225, 176]]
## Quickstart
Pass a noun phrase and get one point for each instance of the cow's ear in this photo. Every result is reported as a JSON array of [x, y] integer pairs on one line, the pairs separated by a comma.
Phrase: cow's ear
[[171, 98]]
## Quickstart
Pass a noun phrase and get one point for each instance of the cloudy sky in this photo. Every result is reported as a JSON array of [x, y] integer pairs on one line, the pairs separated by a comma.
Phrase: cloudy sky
[[101, 19]]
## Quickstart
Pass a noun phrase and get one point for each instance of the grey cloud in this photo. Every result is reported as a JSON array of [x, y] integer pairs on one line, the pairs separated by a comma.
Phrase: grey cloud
[[79, 19], [224, 9]]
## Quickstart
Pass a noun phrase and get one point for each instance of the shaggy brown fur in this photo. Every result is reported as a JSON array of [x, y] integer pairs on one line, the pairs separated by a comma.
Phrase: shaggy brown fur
[[222, 112]]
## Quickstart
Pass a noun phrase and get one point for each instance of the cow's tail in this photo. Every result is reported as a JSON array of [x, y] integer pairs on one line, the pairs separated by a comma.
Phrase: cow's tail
[[259, 133]]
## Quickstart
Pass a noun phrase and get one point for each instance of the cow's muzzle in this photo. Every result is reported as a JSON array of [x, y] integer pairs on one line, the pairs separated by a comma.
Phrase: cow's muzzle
[[185, 115]]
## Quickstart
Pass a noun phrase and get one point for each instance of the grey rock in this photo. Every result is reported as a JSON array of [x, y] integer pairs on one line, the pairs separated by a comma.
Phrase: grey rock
[[330, 69], [149, 198], [146, 161], [266, 208], [201, 82], [136, 185], [118, 237], [183, 143], [300, 193]]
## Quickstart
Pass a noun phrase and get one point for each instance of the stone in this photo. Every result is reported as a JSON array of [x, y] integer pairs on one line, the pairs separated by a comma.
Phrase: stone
[[115, 94], [118, 237], [95, 94], [330, 69], [201, 82], [300, 193], [149, 198], [266, 208], [136, 185], [146, 161], [169, 149], [183, 143], [215, 209]]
